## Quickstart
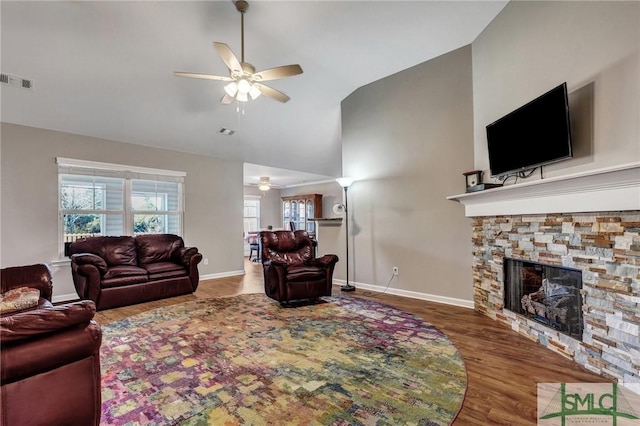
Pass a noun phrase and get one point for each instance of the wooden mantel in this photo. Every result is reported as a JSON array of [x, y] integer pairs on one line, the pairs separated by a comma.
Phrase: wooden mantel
[[614, 188]]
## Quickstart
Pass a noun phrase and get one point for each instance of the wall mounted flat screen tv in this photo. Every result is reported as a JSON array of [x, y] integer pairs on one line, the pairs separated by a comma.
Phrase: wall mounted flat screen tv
[[535, 134]]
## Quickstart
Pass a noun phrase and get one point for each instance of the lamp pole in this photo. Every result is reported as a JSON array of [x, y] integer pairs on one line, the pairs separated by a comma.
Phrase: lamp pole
[[345, 182]]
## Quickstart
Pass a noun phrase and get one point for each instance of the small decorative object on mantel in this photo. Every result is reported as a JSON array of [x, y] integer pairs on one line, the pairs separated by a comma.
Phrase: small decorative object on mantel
[[472, 178], [473, 182]]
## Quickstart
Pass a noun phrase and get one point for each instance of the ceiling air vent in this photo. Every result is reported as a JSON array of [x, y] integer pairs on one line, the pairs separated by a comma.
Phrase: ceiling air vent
[[15, 81], [225, 131]]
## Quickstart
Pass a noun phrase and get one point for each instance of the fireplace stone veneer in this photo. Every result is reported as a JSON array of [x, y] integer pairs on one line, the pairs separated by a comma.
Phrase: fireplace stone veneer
[[605, 246]]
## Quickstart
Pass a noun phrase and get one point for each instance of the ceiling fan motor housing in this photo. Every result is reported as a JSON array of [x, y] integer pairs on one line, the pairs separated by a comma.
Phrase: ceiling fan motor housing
[[242, 6]]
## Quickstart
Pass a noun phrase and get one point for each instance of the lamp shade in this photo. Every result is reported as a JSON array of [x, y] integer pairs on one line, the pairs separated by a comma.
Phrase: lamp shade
[[254, 92], [231, 89], [345, 182], [244, 86]]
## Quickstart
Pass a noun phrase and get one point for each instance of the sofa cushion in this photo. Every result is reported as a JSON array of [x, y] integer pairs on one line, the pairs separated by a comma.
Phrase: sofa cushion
[[117, 276], [153, 248], [162, 270], [114, 250], [18, 299]]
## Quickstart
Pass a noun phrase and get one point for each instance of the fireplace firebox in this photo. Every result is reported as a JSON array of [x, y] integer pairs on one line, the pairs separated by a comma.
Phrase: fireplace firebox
[[544, 293]]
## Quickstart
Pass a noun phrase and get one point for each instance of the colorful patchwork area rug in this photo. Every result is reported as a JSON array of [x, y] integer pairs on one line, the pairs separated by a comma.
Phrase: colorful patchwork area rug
[[246, 360]]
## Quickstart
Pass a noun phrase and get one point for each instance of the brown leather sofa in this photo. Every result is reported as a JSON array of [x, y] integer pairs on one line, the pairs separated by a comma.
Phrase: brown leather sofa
[[50, 357], [291, 272], [120, 271]]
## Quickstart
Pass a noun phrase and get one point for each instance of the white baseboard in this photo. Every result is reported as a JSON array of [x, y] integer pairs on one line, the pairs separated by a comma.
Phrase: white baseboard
[[222, 275], [380, 289], [71, 297], [412, 294]]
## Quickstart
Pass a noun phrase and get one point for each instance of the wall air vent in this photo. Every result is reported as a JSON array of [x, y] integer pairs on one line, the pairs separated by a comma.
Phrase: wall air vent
[[15, 81], [225, 131]]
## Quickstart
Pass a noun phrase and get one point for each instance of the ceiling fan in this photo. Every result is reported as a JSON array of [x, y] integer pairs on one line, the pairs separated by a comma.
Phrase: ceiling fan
[[244, 81], [265, 184]]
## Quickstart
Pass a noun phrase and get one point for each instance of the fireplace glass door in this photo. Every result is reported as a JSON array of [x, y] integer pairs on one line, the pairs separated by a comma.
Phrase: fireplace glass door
[[544, 293]]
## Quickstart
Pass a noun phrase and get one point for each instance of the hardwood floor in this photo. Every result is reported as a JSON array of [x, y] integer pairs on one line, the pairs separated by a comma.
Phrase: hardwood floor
[[503, 367]]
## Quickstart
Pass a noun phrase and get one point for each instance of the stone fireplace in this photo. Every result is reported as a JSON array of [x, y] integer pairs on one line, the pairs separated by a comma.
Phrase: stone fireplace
[[589, 223]]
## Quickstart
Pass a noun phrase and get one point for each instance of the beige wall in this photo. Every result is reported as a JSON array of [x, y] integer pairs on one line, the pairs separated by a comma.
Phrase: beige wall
[[531, 47], [407, 139], [29, 222]]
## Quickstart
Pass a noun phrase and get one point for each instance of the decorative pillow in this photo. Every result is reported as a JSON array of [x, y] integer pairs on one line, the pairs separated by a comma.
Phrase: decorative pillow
[[18, 299]]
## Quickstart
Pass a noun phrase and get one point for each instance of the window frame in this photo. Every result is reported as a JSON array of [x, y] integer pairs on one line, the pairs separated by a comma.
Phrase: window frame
[[70, 167]]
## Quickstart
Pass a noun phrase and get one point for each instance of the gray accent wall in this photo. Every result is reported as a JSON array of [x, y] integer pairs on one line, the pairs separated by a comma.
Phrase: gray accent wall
[[407, 139], [29, 220]]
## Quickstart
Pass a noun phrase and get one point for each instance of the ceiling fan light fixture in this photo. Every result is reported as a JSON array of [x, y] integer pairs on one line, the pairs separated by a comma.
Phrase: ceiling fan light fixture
[[231, 89], [254, 92], [242, 97], [264, 184], [244, 86]]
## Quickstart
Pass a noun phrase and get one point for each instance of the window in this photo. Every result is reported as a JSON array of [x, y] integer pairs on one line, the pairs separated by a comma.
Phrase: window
[[251, 214], [109, 199], [251, 222]]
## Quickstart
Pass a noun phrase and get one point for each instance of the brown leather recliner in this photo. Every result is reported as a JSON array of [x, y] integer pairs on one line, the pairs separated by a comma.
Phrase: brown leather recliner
[[291, 273], [120, 271], [50, 357]]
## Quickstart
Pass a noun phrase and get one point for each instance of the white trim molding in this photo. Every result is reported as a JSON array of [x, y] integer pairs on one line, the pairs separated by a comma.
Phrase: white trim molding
[[61, 298], [222, 275], [608, 189], [411, 294], [72, 162]]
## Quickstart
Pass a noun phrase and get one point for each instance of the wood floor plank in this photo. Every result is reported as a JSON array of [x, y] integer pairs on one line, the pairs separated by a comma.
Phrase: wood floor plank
[[503, 367]]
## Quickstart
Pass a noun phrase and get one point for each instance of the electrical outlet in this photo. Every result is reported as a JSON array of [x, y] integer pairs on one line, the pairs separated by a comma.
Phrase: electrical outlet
[[395, 270], [205, 261]]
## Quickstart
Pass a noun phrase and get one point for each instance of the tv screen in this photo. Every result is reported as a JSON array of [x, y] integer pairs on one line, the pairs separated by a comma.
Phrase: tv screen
[[535, 134]]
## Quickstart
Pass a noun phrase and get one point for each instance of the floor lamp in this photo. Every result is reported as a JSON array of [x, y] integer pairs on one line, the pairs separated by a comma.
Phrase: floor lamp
[[345, 182]]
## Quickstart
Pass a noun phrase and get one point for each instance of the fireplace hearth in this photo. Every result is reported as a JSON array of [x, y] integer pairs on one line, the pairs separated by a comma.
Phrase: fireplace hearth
[[547, 294]]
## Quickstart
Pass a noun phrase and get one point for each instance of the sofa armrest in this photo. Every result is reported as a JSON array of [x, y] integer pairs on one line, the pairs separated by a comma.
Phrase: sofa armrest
[[41, 340], [275, 263], [90, 259], [183, 255], [326, 260], [30, 324]]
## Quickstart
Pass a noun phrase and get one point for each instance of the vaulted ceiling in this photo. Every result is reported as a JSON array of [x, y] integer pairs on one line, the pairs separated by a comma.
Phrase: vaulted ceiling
[[105, 69]]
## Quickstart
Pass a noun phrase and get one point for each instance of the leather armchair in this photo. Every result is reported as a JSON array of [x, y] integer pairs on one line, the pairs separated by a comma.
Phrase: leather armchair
[[291, 272], [50, 358]]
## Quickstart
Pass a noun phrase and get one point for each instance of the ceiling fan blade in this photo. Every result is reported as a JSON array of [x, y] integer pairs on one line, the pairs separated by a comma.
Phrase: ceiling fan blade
[[272, 93], [203, 76], [278, 72], [227, 56], [226, 99]]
